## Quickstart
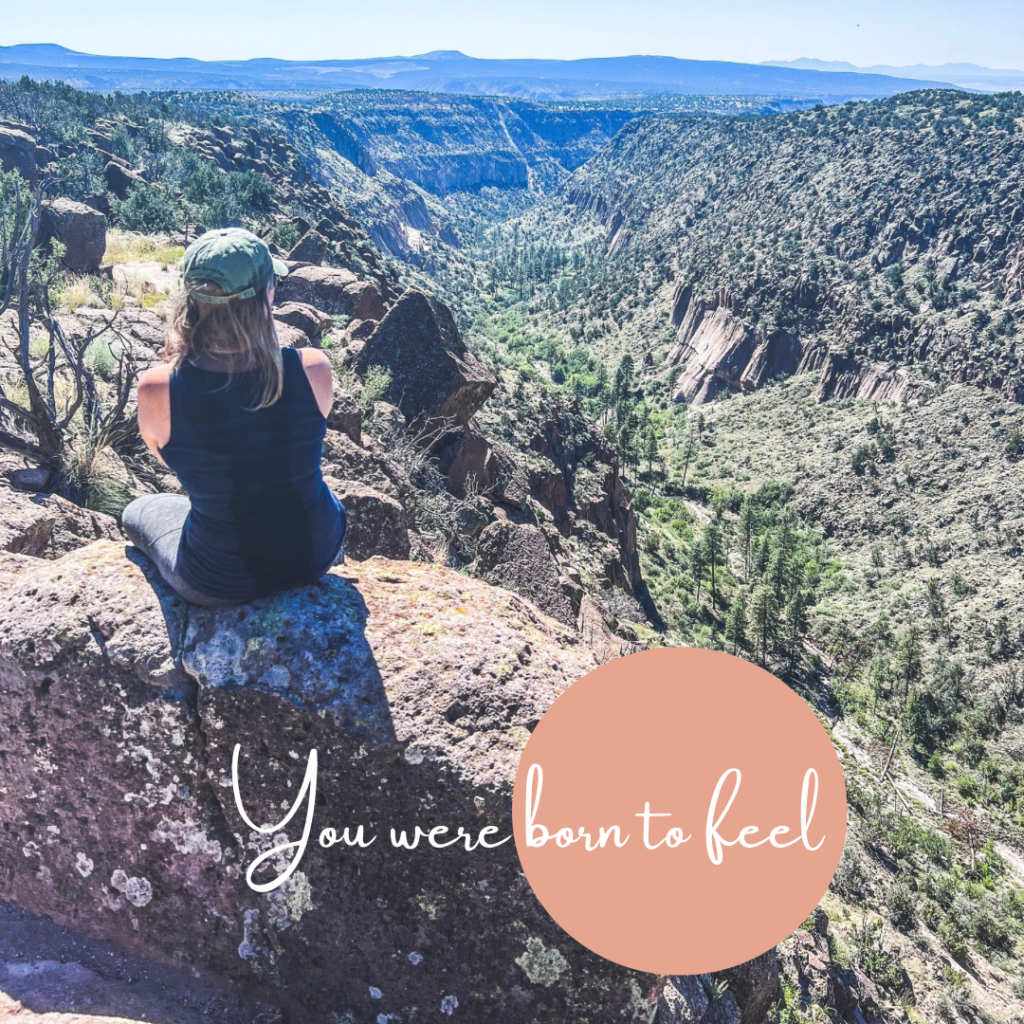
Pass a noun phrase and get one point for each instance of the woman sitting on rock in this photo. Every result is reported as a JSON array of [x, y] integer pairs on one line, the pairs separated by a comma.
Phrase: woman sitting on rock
[[241, 422]]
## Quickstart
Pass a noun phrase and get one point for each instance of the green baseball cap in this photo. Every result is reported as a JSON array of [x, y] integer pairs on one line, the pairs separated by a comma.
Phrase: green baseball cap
[[233, 258]]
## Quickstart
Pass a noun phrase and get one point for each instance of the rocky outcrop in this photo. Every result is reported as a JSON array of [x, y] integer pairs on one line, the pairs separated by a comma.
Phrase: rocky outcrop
[[517, 557], [348, 459], [47, 525], [300, 316], [845, 376], [473, 463], [81, 229], [755, 986], [18, 152], [719, 353], [805, 963], [693, 999], [310, 248], [121, 179], [435, 379], [345, 414], [332, 290], [377, 523], [416, 685]]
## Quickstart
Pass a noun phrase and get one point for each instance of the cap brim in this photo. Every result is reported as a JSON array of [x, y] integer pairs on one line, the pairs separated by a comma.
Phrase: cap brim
[[279, 268]]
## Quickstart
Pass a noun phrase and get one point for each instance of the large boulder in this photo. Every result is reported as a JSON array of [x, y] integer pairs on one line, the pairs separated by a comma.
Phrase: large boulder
[[120, 709], [377, 523], [47, 525], [332, 290], [82, 229], [310, 248], [345, 414], [434, 377], [121, 179], [17, 152], [517, 556], [306, 318]]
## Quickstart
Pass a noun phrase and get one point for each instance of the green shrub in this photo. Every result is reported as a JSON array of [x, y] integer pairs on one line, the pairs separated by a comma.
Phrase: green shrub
[[931, 914], [953, 936], [992, 933], [147, 209], [375, 387], [901, 903]]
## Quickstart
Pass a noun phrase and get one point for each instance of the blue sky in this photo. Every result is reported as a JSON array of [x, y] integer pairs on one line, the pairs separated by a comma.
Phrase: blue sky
[[989, 32]]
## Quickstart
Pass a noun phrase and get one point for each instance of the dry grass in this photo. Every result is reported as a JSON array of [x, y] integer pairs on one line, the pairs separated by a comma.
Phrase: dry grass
[[129, 247], [136, 286], [76, 291]]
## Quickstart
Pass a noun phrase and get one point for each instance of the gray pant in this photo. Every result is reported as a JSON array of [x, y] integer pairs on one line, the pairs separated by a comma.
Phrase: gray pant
[[154, 523]]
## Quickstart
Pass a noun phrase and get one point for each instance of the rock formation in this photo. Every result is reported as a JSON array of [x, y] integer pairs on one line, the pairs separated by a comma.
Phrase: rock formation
[[121, 179], [434, 377], [47, 525], [18, 151], [845, 376], [308, 319], [332, 290], [378, 524], [310, 248], [81, 229], [517, 556], [416, 685], [721, 354]]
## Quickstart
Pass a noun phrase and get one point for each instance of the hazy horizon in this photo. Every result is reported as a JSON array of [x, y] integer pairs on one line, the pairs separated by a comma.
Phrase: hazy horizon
[[861, 32], [881, 69]]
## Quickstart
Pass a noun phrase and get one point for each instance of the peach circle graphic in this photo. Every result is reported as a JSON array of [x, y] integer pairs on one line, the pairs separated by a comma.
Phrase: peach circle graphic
[[643, 743]]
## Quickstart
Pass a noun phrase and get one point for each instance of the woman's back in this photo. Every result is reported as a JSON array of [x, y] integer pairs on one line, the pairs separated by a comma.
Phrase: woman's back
[[262, 518]]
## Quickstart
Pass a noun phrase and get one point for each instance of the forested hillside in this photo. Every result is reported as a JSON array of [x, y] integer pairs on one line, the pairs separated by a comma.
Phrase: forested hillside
[[888, 231]]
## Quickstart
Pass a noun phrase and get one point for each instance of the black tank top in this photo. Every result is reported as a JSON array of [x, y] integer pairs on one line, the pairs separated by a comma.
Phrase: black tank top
[[262, 517]]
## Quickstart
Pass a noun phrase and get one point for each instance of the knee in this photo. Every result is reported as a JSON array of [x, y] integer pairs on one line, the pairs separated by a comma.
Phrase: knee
[[131, 517]]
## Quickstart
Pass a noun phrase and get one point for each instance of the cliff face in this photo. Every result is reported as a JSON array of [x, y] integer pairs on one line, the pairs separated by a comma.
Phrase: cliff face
[[394, 157], [889, 232], [848, 377], [719, 353]]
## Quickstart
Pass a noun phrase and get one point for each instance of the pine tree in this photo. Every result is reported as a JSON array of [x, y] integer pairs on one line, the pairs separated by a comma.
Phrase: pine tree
[[796, 623], [764, 621], [623, 386], [748, 524], [736, 623], [698, 566], [712, 542]]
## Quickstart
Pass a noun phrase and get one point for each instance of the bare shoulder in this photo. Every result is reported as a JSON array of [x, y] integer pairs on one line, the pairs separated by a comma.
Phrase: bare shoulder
[[320, 376], [154, 407], [155, 379], [314, 358]]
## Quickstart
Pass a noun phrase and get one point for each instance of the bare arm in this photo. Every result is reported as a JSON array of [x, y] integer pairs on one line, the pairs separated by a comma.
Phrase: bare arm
[[154, 401], [320, 376]]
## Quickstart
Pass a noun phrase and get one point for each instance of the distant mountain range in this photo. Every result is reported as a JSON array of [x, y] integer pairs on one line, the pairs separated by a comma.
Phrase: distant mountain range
[[968, 76], [451, 71]]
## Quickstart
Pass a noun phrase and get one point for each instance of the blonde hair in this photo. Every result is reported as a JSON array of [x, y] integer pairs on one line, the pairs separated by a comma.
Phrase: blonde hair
[[241, 331]]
